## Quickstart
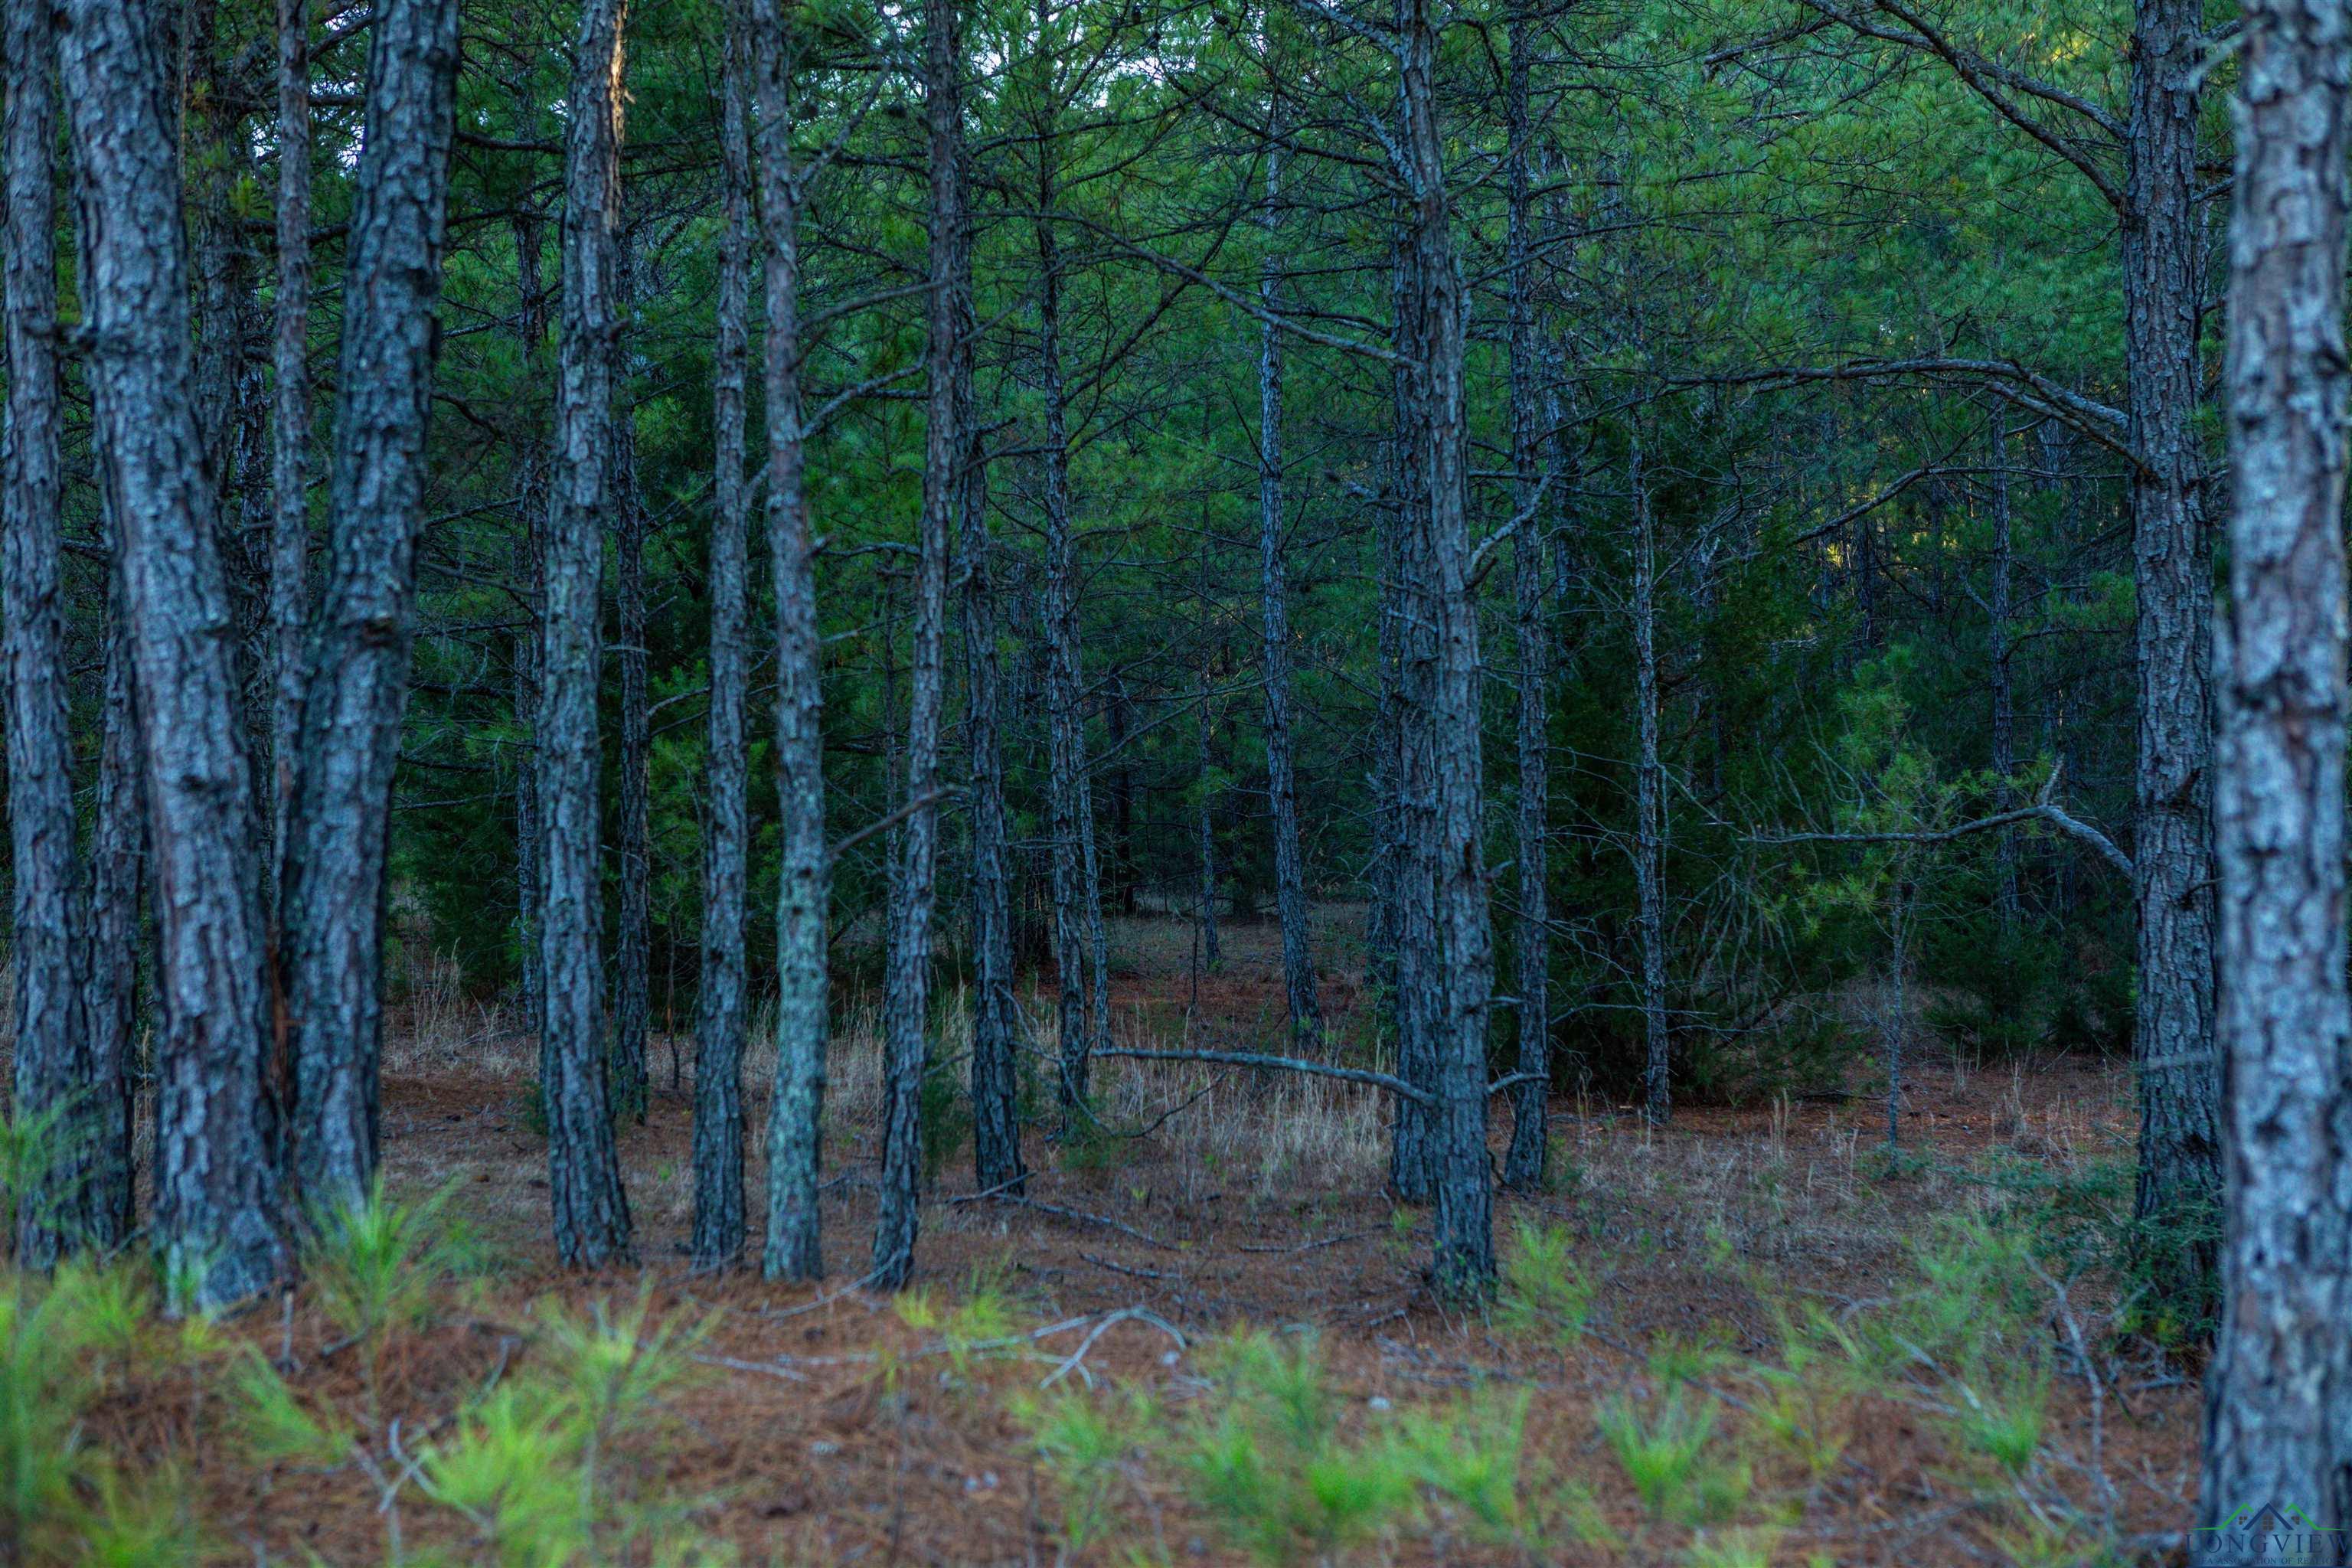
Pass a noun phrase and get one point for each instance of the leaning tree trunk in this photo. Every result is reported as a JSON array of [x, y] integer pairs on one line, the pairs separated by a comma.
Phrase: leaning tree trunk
[[1462, 1264], [57, 1210], [2278, 1422], [907, 1002], [336, 891], [289, 525], [796, 1115], [632, 950], [719, 1017], [590, 1210], [218, 1220], [1523, 1165], [1281, 785], [2179, 1173], [1649, 807]]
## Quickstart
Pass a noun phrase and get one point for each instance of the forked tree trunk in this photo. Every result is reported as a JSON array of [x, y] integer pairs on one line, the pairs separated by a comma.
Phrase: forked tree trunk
[[218, 1219], [796, 1115], [906, 1009], [1523, 1164], [2278, 1424], [336, 889], [2179, 1191], [1273, 588], [57, 1213], [590, 1210], [718, 1227]]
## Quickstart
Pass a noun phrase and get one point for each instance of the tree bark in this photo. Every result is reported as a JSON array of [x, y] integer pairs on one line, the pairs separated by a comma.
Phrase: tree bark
[[118, 854], [2179, 1188], [2278, 1423], [1462, 1265], [1649, 807], [218, 1220], [1281, 784], [719, 1226], [796, 1116], [365, 630], [1523, 1164], [530, 332], [633, 950], [289, 531], [2004, 703], [590, 1210], [58, 1210]]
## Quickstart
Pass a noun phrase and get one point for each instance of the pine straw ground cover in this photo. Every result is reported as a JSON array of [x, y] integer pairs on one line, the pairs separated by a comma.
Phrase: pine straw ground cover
[[1751, 1338]]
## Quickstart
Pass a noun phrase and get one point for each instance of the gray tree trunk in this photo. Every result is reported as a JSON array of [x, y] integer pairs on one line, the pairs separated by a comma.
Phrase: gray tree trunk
[[218, 1220], [1212, 949], [1281, 785], [530, 334], [796, 1116], [289, 530], [632, 848], [59, 1210], [1523, 1165], [365, 630], [590, 1210], [1649, 806], [907, 1002], [1462, 1264], [718, 1225], [2278, 1425], [117, 853], [2179, 1173], [2004, 702]]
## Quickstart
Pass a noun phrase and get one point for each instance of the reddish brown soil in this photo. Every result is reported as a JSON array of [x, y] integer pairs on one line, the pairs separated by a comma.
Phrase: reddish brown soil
[[810, 1459]]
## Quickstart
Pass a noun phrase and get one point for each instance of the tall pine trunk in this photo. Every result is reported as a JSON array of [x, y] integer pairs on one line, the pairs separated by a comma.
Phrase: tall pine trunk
[[1523, 1164], [719, 1017], [796, 1115], [1649, 806], [590, 1210], [2278, 1426], [218, 1219], [57, 1210], [633, 845], [530, 334], [2172, 1038], [907, 1002], [361, 643], [289, 525]]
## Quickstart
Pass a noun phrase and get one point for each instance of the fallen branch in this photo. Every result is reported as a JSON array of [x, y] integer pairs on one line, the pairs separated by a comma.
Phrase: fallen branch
[[1076, 1362], [1389, 1081]]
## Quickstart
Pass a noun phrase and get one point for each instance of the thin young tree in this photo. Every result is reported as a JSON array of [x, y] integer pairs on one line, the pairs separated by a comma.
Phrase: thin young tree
[[907, 1001], [718, 1225], [218, 1219], [2278, 1419], [590, 1209], [364, 632]]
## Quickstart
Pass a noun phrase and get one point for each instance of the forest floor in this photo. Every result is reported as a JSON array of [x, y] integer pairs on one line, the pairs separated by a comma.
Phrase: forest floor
[[1751, 1337]]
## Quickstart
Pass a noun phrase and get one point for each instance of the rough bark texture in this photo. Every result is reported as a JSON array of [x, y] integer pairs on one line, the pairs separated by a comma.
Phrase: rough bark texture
[[907, 1001], [590, 1210], [217, 1219], [290, 515], [2004, 702], [2278, 1425], [364, 632], [718, 1018], [2179, 1173], [530, 334], [1273, 592], [1523, 1165], [57, 1211], [1462, 1265], [796, 1116], [117, 851]]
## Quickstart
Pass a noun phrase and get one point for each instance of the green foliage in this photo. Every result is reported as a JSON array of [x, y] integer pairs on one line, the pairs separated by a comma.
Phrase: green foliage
[[1084, 1441], [1544, 1293], [1670, 1454]]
